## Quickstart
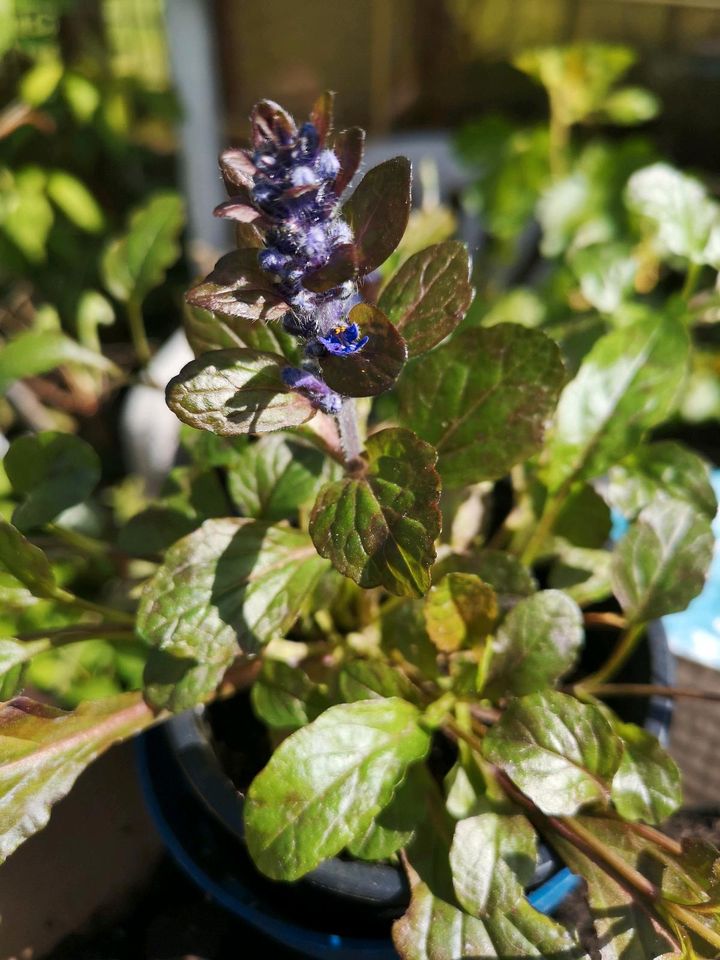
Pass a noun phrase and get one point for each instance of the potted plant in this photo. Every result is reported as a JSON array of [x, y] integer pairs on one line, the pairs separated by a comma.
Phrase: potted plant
[[406, 581]]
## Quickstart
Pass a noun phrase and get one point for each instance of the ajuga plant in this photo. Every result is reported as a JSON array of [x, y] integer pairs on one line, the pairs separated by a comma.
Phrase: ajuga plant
[[406, 579]]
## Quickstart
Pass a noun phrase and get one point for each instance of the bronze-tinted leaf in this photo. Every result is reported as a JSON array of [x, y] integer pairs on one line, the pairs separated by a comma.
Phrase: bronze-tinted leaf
[[237, 209], [238, 287], [237, 169], [378, 212], [233, 392], [374, 368], [208, 331], [321, 115], [429, 295], [247, 235], [271, 122], [340, 267], [349, 149]]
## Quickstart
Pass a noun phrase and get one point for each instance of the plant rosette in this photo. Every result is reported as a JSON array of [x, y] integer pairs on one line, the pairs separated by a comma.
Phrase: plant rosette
[[393, 528]]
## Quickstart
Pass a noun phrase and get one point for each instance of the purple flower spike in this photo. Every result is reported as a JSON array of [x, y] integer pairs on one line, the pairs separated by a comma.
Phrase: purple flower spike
[[342, 341], [313, 388]]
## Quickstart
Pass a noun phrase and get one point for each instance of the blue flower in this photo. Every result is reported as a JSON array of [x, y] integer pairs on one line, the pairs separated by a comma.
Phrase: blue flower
[[342, 341]]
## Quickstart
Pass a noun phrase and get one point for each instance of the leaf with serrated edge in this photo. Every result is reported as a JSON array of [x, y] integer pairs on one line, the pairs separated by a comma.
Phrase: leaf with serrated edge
[[628, 382], [647, 783], [429, 295], [459, 611], [562, 753], [43, 750], [231, 581], [493, 858], [234, 392], [536, 644], [434, 929], [327, 782], [379, 526], [50, 471], [659, 566], [483, 399]]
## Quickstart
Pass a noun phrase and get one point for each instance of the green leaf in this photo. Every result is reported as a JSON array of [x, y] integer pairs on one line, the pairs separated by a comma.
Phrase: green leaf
[[584, 520], [661, 563], [663, 470], [482, 400], [502, 571], [39, 351], [239, 289], [537, 643], [429, 295], [631, 105], [584, 575], [273, 478], [26, 562], [75, 200], [629, 382], [327, 782], [493, 859], [50, 471], [402, 631], [374, 679], [374, 368], [233, 392], [560, 752], [678, 209], [434, 929], [135, 263], [395, 825], [178, 683], [40, 81], [230, 582], [606, 273], [207, 331], [43, 749], [284, 697], [460, 611], [647, 783], [378, 526]]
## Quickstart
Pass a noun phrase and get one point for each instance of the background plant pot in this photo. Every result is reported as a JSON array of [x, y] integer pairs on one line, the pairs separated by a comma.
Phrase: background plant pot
[[343, 909]]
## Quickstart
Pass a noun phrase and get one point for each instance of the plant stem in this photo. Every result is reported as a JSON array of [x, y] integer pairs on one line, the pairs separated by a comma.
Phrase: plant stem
[[692, 278], [349, 433], [137, 331], [109, 613], [553, 506], [693, 922], [619, 656], [559, 140], [81, 542], [650, 690], [75, 632], [604, 618]]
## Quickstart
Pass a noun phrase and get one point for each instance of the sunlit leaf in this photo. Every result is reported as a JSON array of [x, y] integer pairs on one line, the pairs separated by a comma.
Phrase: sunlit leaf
[[460, 611], [39, 351], [373, 369], [238, 287], [647, 783]]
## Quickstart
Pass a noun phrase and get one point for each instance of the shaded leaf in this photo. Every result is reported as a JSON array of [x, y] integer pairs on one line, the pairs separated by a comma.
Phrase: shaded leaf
[[207, 331], [26, 562], [232, 392], [50, 471], [429, 295], [378, 212], [238, 287], [482, 399], [647, 783], [660, 470], [584, 575], [493, 859], [630, 381], [133, 264], [39, 351], [394, 826], [460, 611], [537, 643], [374, 368], [560, 752], [321, 115], [43, 750], [378, 526], [285, 697], [503, 571], [349, 148], [180, 683], [374, 679], [274, 477], [661, 563], [230, 582], [327, 782]]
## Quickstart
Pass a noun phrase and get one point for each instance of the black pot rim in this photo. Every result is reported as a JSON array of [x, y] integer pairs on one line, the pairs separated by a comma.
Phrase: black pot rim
[[380, 884]]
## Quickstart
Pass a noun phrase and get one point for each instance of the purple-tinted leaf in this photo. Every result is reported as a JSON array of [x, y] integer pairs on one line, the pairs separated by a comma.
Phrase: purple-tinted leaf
[[375, 367], [238, 287], [378, 212], [271, 122], [233, 392], [340, 267], [321, 115], [349, 149], [235, 209], [237, 170], [248, 236], [429, 295]]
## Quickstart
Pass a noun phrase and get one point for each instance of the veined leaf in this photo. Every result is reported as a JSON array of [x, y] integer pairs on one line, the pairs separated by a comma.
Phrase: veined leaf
[[208, 331], [394, 826], [285, 697], [374, 679], [483, 399], [647, 783], [460, 611], [238, 288], [327, 782], [378, 526]]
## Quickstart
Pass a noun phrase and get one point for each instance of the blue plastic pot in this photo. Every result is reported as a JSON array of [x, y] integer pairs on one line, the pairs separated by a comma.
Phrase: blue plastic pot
[[197, 812]]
